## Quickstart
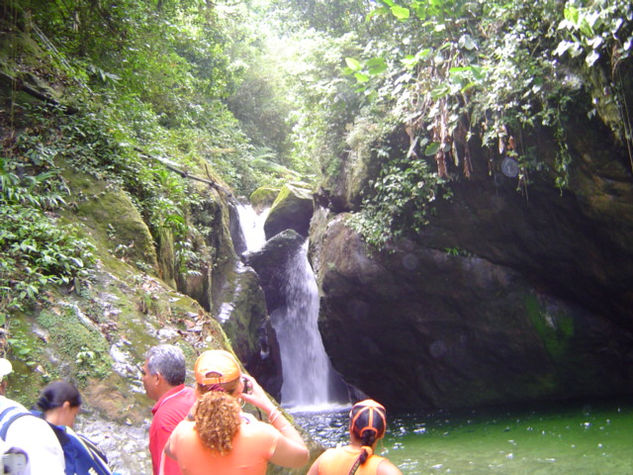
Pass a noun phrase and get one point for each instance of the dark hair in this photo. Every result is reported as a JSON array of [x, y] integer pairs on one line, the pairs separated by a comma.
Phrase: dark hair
[[56, 394], [368, 423], [169, 361]]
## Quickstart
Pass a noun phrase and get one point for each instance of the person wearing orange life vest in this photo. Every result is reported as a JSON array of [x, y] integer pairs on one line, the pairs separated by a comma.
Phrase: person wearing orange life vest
[[368, 423], [219, 439]]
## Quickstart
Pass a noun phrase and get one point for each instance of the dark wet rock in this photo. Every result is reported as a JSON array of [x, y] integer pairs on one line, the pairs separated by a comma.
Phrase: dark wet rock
[[270, 263], [513, 292], [245, 320], [237, 236], [423, 328]]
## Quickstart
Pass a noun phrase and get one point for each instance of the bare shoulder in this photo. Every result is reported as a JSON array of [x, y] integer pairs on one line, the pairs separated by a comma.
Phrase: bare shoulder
[[387, 468]]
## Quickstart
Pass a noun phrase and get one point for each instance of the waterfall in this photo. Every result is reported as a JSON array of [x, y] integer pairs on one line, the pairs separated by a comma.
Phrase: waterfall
[[252, 225], [305, 365], [309, 382]]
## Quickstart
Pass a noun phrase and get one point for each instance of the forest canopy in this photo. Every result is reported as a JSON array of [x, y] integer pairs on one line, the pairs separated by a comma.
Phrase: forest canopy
[[253, 93]]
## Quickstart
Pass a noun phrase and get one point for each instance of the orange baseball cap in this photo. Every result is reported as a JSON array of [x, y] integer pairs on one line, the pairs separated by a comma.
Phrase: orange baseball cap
[[216, 367]]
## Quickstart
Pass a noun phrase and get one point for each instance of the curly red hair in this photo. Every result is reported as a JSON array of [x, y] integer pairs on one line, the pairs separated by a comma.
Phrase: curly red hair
[[217, 420]]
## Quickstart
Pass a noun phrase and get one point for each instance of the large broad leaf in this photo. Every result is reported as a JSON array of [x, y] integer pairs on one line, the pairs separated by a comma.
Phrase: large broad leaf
[[376, 66], [431, 149], [353, 64], [401, 13]]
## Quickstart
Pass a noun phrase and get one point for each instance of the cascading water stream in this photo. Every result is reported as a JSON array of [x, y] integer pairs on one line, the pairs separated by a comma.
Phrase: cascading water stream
[[252, 225], [305, 365], [309, 383]]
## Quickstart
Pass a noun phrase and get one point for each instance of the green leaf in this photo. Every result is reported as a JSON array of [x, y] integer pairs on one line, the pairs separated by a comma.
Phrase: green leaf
[[353, 64], [431, 149], [571, 14], [401, 13], [360, 77], [376, 12], [376, 66], [410, 61]]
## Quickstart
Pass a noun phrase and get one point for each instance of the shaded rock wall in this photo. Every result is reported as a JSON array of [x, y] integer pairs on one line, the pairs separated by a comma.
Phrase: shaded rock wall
[[504, 297], [419, 328]]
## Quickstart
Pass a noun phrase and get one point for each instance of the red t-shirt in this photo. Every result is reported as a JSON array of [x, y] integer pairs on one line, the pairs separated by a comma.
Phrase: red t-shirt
[[169, 410]]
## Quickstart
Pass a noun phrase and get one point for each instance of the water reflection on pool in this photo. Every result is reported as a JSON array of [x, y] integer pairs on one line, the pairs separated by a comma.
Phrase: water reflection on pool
[[592, 438]]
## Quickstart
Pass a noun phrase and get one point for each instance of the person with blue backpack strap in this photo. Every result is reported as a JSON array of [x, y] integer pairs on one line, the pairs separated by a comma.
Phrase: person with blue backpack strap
[[21, 431], [59, 403]]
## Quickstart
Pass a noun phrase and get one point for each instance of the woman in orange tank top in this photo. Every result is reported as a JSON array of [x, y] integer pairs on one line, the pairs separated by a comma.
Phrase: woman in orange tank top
[[219, 439], [368, 423]]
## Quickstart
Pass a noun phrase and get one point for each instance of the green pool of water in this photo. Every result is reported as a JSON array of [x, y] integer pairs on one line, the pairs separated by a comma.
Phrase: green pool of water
[[570, 439]]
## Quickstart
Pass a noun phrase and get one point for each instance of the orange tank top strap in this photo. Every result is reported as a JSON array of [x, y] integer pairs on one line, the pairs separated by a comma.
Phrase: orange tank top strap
[[342, 460]]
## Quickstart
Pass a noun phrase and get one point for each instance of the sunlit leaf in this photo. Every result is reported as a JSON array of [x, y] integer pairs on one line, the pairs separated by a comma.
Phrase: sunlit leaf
[[353, 64], [592, 58], [562, 47], [360, 77], [376, 66], [401, 13], [571, 14], [410, 60]]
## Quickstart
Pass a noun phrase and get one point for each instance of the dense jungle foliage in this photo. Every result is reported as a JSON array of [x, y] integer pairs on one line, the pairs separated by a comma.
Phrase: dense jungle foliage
[[251, 93]]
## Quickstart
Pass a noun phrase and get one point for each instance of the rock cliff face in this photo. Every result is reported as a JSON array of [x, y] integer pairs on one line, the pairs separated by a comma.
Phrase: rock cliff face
[[504, 297]]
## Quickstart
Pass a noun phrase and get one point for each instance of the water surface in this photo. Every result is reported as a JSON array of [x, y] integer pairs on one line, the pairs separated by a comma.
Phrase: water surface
[[561, 439]]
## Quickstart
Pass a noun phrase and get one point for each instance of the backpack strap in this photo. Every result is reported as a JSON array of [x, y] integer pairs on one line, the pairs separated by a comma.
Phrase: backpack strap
[[8, 416]]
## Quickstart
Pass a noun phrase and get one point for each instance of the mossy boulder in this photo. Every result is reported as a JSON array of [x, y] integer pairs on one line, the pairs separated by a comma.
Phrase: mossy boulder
[[263, 197], [292, 209], [111, 219]]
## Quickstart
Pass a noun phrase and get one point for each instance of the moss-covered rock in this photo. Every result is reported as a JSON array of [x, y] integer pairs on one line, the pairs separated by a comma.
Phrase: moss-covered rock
[[113, 222], [263, 197], [292, 209]]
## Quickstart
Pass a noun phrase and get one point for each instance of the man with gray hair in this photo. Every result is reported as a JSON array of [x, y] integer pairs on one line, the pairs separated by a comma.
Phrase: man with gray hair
[[163, 376]]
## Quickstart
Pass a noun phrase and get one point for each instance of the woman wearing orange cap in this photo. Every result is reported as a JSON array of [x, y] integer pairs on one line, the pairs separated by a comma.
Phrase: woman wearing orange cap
[[368, 423], [218, 438]]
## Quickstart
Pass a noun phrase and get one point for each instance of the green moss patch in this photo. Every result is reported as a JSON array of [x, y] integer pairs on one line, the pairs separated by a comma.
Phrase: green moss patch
[[555, 330]]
